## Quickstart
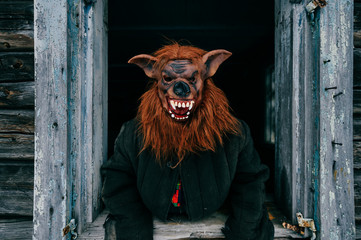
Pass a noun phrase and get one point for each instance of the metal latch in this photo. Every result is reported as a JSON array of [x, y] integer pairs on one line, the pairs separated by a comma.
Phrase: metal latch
[[70, 228], [311, 7], [307, 223]]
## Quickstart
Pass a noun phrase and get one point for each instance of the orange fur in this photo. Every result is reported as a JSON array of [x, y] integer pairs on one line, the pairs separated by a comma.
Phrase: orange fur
[[165, 137], [207, 126]]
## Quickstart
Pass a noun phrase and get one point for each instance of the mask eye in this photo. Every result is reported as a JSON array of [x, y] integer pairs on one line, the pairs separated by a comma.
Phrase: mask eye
[[191, 79], [167, 79]]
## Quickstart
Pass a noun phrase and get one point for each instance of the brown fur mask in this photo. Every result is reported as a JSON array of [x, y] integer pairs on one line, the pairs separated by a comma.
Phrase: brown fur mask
[[183, 112]]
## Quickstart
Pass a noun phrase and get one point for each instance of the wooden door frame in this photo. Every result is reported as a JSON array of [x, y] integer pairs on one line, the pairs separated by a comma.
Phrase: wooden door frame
[[314, 80], [314, 171], [70, 113]]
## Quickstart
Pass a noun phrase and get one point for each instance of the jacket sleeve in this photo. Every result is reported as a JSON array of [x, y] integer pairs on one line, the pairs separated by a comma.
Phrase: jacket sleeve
[[248, 218], [120, 194]]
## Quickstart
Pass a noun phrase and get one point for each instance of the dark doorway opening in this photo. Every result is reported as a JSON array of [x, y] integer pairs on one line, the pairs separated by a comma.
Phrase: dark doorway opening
[[245, 28]]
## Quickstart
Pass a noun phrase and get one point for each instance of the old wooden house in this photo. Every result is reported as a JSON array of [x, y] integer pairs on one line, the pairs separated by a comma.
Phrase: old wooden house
[[66, 89]]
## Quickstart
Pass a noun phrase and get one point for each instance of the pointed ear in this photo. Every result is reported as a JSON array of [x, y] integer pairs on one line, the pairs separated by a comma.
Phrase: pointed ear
[[213, 59], [146, 62]]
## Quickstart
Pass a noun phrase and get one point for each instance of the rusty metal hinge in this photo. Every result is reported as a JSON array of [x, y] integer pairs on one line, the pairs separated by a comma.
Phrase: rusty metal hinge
[[307, 223], [311, 7], [70, 228]]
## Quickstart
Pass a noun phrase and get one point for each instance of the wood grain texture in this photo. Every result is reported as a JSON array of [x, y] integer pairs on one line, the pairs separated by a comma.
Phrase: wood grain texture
[[16, 229], [16, 41], [16, 66], [53, 170], [357, 154], [17, 121], [71, 125], [16, 15], [296, 110], [357, 39], [357, 129], [16, 95], [357, 16], [16, 189], [16, 146], [357, 67], [336, 204]]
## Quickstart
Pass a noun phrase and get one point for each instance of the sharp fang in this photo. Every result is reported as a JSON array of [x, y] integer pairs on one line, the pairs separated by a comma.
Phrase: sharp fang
[[170, 112], [187, 104], [179, 105], [191, 105], [173, 116], [188, 113], [187, 117], [183, 105], [173, 105]]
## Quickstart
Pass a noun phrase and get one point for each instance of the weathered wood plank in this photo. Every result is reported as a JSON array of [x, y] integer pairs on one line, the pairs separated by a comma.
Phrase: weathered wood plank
[[17, 146], [16, 24], [357, 39], [357, 103], [297, 108], [16, 229], [16, 9], [357, 67], [15, 95], [16, 41], [357, 16], [336, 160], [16, 66], [17, 121], [357, 154], [357, 129], [16, 189], [16, 15]]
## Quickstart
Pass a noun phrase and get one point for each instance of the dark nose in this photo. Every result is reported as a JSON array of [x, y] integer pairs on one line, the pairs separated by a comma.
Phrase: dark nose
[[181, 89]]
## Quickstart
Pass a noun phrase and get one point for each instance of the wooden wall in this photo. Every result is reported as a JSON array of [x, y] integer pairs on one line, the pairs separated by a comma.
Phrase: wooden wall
[[16, 117], [357, 110]]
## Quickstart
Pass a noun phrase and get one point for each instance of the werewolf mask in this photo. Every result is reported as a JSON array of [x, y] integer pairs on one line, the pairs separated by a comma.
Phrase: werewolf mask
[[183, 111]]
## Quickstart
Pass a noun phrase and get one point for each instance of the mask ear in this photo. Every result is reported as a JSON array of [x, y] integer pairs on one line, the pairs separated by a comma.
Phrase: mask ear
[[213, 59], [146, 62]]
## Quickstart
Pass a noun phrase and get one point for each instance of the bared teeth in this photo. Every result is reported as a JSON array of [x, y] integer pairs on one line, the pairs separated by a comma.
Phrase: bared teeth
[[183, 105], [191, 105], [187, 104], [179, 105], [173, 104]]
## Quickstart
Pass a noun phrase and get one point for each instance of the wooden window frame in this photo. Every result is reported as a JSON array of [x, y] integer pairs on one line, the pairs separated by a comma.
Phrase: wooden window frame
[[314, 172]]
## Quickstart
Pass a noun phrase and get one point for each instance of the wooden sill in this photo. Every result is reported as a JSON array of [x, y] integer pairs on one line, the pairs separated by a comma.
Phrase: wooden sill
[[209, 228]]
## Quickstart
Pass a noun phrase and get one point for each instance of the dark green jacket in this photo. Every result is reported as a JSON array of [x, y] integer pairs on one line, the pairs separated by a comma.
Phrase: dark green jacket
[[137, 188]]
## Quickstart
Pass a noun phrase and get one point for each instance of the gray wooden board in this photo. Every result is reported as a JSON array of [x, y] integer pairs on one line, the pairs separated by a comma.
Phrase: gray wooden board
[[357, 154], [16, 66], [336, 193], [357, 16], [16, 146], [16, 95], [16, 9], [357, 67], [17, 121], [17, 41], [16, 229], [16, 188], [357, 129], [296, 109]]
